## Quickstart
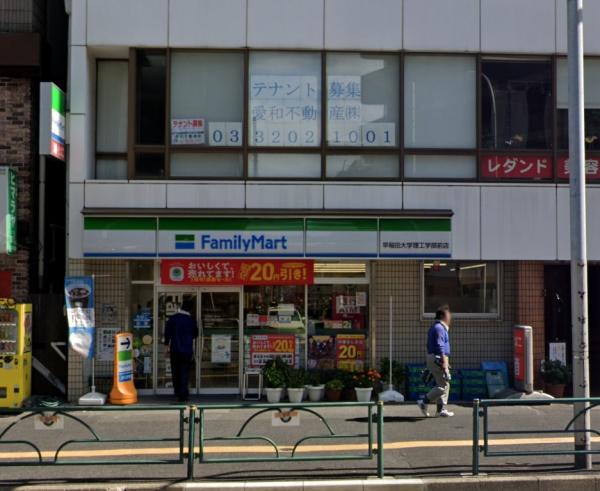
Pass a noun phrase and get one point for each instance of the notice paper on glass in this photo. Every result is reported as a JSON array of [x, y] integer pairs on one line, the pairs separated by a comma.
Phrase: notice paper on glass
[[220, 348]]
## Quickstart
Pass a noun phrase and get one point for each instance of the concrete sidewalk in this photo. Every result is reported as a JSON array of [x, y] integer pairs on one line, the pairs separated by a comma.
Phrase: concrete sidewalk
[[566, 482]]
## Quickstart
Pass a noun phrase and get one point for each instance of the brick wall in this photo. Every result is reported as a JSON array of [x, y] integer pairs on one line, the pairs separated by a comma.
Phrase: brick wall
[[473, 340], [17, 136], [530, 307]]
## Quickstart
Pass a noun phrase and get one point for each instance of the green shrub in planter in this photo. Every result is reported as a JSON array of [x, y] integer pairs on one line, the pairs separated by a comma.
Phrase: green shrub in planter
[[296, 378], [275, 373], [555, 372], [398, 373], [334, 384]]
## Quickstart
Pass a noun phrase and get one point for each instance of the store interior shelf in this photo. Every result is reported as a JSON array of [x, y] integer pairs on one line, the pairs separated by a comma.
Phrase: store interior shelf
[[332, 332], [272, 330]]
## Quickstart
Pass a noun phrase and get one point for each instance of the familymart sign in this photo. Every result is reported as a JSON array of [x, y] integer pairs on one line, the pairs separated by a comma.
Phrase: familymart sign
[[310, 237]]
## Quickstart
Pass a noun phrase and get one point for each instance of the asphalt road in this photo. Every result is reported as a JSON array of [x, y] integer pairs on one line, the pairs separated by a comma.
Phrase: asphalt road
[[414, 446]]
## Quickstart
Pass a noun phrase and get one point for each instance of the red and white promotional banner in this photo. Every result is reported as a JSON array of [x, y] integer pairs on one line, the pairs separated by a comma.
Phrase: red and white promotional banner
[[516, 167], [592, 168], [237, 272]]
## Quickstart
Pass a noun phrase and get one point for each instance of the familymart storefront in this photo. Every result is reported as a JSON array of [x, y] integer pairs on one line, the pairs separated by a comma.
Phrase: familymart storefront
[[294, 287]]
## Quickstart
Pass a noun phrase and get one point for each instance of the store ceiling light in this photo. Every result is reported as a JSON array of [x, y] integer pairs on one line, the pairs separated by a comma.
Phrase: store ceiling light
[[340, 268]]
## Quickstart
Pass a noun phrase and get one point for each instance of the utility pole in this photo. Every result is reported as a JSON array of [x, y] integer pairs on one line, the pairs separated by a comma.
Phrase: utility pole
[[579, 293]]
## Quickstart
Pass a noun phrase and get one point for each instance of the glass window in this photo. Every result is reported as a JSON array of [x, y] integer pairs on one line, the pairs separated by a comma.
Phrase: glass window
[[150, 165], [208, 87], [370, 166], [151, 86], [516, 104], [285, 99], [439, 102], [440, 167], [338, 326], [341, 270], [362, 100], [468, 288], [284, 165], [111, 110], [206, 165], [592, 104], [141, 270], [142, 327], [111, 168]]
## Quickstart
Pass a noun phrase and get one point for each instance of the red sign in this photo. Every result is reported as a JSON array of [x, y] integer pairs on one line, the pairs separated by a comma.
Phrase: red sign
[[237, 272], [519, 354], [516, 166], [592, 168], [57, 150], [266, 347], [350, 352]]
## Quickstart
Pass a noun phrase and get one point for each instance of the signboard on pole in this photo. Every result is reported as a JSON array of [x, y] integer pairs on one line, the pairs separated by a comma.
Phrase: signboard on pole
[[8, 210], [79, 299], [52, 120], [123, 391]]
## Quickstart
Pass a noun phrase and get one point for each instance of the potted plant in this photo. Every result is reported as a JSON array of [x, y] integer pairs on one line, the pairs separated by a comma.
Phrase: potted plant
[[333, 390], [316, 390], [364, 383], [556, 376], [295, 384], [347, 378], [274, 376]]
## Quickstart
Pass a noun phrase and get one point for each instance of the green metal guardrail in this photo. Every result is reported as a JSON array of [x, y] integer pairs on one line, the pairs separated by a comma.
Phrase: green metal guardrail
[[286, 410], [189, 417], [481, 411], [70, 413]]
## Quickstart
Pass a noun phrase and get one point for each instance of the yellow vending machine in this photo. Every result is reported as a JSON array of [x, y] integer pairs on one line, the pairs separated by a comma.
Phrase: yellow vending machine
[[15, 353]]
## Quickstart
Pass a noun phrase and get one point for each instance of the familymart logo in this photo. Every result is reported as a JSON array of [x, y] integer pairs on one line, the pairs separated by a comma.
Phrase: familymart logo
[[185, 242]]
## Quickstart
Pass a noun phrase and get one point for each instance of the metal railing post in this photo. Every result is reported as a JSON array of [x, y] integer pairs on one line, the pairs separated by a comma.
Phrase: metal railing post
[[191, 443], [475, 469], [380, 450]]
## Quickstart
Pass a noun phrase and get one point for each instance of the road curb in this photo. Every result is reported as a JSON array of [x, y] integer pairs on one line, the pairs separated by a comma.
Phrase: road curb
[[555, 482]]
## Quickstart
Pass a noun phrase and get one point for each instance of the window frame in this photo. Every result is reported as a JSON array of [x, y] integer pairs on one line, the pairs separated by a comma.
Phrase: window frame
[[324, 150], [109, 155], [462, 315]]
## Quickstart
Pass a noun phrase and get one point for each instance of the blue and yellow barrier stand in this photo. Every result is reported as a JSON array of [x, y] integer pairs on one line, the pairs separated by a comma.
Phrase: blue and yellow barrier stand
[[123, 391]]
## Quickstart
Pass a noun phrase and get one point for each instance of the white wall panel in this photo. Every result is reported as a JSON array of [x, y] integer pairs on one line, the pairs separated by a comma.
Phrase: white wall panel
[[206, 195], [80, 149], [441, 25], [285, 23], [125, 195], [563, 228], [127, 22], [75, 225], [518, 26], [591, 26], [464, 201], [367, 196], [79, 80], [209, 23], [363, 24], [518, 222], [279, 195], [78, 23]]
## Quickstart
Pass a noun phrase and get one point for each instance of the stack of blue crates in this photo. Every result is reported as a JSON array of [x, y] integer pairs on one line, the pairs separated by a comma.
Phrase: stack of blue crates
[[474, 384], [417, 389]]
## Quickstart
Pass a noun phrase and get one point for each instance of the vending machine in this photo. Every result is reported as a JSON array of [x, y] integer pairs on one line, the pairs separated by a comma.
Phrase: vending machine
[[15, 353]]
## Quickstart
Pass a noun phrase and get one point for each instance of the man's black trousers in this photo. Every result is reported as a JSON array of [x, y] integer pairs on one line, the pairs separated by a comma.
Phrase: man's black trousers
[[181, 365]]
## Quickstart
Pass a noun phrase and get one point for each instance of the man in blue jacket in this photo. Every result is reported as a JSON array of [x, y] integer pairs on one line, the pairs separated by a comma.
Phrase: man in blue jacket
[[438, 352], [180, 332]]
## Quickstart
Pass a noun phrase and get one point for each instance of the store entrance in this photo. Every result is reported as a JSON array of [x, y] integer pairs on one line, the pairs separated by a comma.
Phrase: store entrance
[[217, 349]]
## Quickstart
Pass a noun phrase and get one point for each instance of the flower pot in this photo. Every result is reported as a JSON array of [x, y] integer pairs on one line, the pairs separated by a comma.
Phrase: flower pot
[[363, 394], [316, 392], [333, 395], [295, 395], [555, 390], [274, 394], [305, 394], [349, 394]]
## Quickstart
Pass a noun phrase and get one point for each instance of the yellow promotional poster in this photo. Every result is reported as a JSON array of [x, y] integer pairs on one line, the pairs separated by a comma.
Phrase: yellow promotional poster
[[15, 353], [123, 391], [350, 350]]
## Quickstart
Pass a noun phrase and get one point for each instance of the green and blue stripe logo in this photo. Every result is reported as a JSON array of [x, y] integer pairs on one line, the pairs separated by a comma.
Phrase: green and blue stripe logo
[[185, 242]]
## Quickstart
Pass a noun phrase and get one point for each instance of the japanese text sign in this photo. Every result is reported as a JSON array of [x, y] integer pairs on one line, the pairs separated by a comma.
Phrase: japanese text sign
[[8, 210], [592, 168], [52, 128], [516, 166], [188, 131], [350, 351], [519, 354], [237, 272], [266, 347]]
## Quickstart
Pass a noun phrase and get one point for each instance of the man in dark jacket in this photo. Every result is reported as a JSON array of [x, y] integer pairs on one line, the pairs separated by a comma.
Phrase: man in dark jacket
[[438, 352], [180, 332]]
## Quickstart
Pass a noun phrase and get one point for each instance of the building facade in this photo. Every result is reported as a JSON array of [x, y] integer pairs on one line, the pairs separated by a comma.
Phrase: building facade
[[289, 163]]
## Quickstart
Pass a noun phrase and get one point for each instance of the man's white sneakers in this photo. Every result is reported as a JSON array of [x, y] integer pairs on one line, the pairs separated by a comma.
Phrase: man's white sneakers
[[444, 413], [423, 407]]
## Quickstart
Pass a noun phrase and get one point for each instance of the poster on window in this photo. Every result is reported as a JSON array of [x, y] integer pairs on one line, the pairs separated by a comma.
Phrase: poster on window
[[106, 343], [284, 110], [188, 131], [321, 352], [516, 167], [346, 313], [266, 347], [220, 348], [350, 352]]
